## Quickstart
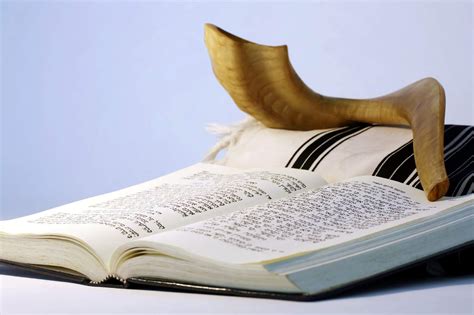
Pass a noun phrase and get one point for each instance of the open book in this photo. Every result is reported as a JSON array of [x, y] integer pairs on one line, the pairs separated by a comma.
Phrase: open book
[[278, 233]]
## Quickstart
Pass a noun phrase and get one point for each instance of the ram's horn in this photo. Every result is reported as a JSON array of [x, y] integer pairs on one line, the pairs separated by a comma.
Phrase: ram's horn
[[262, 82]]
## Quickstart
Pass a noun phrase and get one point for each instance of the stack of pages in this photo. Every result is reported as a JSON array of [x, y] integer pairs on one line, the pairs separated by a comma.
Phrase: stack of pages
[[277, 232]]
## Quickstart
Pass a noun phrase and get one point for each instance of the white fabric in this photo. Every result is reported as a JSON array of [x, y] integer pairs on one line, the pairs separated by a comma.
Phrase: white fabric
[[250, 144]]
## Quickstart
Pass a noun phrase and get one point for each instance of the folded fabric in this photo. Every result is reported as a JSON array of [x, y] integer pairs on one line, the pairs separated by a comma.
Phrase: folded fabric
[[341, 153]]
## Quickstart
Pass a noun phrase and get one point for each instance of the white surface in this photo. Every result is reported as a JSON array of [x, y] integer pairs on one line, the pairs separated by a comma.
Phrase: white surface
[[26, 295]]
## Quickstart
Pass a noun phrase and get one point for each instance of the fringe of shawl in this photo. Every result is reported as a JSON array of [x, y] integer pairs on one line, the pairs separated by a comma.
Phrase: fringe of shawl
[[227, 134]]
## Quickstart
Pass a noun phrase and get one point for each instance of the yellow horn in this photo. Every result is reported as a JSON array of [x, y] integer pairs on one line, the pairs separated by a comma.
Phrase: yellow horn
[[262, 82]]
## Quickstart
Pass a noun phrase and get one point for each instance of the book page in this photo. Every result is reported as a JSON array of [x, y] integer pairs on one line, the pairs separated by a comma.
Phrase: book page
[[195, 193], [311, 220]]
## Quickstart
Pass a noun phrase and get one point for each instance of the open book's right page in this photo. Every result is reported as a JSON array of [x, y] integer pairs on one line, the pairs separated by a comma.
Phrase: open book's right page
[[308, 221]]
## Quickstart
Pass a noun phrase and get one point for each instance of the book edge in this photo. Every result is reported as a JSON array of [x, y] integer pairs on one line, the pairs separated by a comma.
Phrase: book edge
[[175, 286]]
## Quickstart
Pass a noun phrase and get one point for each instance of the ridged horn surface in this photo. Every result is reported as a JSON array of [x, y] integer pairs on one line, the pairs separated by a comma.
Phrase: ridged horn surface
[[262, 82]]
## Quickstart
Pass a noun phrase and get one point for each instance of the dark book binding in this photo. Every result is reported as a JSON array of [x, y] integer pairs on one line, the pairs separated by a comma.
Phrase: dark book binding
[[455, 261]]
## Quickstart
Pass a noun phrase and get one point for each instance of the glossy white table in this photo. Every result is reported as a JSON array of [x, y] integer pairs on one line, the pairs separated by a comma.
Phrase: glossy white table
[[21, 292]]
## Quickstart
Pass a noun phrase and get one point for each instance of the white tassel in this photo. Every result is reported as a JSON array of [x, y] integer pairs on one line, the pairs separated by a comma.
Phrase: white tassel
[[228, 134], [219, 129]]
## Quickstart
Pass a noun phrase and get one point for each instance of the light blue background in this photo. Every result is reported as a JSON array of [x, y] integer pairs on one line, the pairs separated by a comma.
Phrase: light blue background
[[101, 95]]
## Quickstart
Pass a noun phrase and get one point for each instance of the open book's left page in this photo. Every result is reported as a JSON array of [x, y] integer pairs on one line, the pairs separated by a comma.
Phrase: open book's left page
[[201, 191]]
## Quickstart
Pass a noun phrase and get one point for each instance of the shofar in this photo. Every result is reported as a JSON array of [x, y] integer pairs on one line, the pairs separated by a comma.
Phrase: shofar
[[262, 82]]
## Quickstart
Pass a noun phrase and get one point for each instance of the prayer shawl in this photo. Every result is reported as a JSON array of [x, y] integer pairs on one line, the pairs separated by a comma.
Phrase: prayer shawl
[[341, 153]]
